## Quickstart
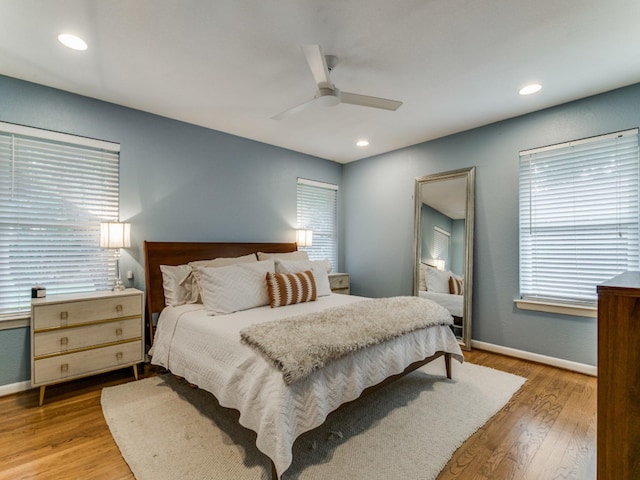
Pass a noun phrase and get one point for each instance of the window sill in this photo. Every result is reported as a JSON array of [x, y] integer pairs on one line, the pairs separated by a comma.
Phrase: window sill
[[11, 323], [548, 307]]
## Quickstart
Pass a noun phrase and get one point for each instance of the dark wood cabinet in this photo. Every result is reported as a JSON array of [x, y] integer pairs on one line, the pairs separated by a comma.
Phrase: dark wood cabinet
[[618, 441]]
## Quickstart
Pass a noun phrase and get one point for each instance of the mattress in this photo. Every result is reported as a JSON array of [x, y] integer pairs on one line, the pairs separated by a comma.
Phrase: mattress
[[206, 351]]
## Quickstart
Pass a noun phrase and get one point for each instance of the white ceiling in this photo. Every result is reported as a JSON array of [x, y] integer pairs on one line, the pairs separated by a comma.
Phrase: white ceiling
[[448, 196], [230, 65]]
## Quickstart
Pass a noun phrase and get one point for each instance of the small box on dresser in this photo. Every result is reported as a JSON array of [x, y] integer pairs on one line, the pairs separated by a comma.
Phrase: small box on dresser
[[339, 283], [79, 335]]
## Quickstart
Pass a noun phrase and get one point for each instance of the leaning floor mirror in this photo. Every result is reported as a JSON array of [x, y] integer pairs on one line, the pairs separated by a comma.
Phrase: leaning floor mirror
[[443, 267]]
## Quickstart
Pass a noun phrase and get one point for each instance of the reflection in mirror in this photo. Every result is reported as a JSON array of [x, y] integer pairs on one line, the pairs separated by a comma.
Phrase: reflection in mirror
[[443, 267]]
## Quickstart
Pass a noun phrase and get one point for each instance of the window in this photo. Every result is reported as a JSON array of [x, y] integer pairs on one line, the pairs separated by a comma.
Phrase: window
[[317, 209], [55, 189], [441, 244], [578, 217]]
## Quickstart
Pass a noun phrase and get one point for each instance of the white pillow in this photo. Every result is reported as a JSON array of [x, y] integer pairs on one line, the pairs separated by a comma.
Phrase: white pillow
[[437, 281], [297, 255], [235, 287], [194, 279], [318, 268], [175, 291], [327, 264]]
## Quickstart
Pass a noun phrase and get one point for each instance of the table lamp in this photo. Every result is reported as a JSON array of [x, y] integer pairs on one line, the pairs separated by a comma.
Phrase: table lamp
[[116, 235]]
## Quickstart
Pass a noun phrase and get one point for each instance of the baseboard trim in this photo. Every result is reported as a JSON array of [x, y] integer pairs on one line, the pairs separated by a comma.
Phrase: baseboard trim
[[14, 388], [535, 357]]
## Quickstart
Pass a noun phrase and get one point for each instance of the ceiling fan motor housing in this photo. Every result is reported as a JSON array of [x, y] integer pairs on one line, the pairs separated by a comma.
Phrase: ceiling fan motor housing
[[328, 97]]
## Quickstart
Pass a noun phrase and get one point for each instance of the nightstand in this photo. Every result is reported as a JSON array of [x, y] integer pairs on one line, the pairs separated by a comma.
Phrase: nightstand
[[79, 335], [339, 283]]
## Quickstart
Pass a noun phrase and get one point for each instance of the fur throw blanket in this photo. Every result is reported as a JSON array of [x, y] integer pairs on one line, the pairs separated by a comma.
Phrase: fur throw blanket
[[301, 344]]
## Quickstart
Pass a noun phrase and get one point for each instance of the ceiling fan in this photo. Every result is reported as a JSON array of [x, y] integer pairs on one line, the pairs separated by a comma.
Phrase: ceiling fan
[[327, 93]]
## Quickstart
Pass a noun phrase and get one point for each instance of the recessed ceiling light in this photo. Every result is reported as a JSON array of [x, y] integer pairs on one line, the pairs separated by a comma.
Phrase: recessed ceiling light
[[362, 143], [529, 89], [72, 41]]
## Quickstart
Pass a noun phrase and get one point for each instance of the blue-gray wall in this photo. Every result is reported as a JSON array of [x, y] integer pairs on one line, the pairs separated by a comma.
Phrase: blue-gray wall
[[379, 205], [183, 182], [178, 182], [457, 247]]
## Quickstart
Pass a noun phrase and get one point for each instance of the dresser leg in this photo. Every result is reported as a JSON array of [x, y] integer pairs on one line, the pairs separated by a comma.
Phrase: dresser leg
[[135, 371], [42, 394]]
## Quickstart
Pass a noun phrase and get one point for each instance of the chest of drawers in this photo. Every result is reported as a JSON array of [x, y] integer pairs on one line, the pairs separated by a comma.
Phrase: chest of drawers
[[339, 283], [618, 440], [78, 335]]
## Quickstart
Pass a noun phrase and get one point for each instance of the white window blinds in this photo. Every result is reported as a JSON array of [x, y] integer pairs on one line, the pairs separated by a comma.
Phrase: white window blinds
[[578, 217], [55, 189], [317, 207], [441, 243]]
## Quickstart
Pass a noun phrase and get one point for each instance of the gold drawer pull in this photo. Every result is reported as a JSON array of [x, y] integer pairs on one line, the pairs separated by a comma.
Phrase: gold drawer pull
[[118, 332], [64, 341], [64, 368], [64, 315], [119, 309], [119, 356]]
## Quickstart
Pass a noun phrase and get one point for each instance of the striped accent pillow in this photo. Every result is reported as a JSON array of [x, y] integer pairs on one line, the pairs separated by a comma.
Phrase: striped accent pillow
[[455, 286], [288, 288]]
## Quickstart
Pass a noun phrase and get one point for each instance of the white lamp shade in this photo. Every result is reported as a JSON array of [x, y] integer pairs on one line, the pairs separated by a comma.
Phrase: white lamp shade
[[115, 235], [304, 237]]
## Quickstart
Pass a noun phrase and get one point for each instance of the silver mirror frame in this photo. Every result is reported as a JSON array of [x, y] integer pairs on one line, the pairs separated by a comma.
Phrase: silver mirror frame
[[469, 174]]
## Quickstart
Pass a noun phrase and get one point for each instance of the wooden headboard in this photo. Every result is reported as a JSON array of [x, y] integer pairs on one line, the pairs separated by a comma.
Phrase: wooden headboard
[[180, 253]]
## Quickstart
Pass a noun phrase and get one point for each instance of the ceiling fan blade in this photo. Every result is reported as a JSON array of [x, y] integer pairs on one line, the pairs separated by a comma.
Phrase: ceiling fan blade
[[367, 101], [318, 65], [293, 110]]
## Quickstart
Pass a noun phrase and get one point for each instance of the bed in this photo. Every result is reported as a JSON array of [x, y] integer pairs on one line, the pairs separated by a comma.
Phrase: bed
[[207, 351], [452, 302], [444, 288]]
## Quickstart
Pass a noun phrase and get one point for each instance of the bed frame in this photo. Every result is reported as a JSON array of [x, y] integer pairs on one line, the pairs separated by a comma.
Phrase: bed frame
[[180, 253]]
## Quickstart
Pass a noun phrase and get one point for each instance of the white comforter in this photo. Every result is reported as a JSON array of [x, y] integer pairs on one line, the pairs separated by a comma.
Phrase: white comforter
[[453, 303], [206, 351]]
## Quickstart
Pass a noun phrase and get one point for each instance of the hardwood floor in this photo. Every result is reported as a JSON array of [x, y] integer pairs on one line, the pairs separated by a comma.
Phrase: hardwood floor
[[66, 438], [547, 431]]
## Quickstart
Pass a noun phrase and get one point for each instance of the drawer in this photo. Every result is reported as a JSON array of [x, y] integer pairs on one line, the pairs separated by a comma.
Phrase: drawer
[[63, 340], [341, 291], [338, 281], [86, 311], [79, 364]]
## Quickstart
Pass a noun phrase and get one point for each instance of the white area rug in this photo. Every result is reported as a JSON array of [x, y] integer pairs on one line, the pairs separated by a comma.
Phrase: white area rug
[[409, 429]]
